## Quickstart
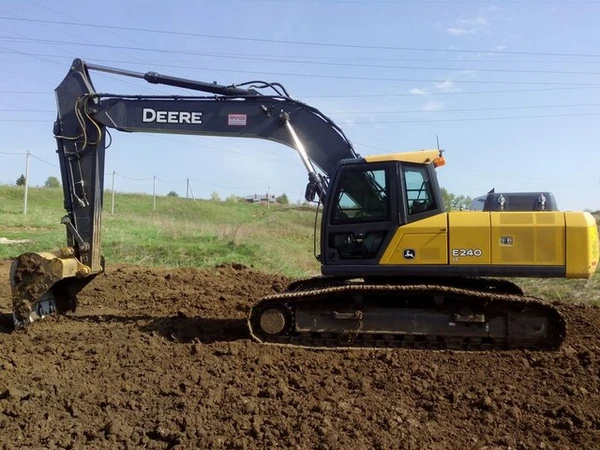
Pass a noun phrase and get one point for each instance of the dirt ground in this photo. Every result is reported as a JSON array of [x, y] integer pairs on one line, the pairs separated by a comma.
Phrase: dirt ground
[[161, 359]]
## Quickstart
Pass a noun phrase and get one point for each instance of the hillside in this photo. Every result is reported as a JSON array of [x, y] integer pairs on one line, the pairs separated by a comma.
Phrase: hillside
[[178, 233]]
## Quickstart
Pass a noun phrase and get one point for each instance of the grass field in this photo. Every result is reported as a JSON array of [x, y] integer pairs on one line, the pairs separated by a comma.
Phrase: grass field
[[179, 233], [183, 233]]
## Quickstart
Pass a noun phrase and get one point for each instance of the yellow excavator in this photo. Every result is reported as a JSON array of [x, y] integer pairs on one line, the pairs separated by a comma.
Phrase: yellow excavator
[[397, 270]]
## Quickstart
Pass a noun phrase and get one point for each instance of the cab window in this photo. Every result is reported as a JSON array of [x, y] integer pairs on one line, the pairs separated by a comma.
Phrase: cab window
[[418, 190], [362, 196]]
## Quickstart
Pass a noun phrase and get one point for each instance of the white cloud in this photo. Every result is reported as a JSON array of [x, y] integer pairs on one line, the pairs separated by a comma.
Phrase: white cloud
[[459, 31], [418, 91], [447, 86], [477, 21], [473, 25], [432, 106]]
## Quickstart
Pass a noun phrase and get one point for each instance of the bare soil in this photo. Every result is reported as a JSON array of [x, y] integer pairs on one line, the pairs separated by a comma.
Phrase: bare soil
[[161, 359]]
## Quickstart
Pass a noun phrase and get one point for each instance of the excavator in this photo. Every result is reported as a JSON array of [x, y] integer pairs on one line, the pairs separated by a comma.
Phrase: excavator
[[397, 269]]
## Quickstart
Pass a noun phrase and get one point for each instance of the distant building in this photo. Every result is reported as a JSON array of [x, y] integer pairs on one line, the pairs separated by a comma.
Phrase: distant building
[[256, 198]]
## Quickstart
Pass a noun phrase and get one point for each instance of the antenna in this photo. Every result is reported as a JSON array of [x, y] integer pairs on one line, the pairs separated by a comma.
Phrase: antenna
[[437, 139]]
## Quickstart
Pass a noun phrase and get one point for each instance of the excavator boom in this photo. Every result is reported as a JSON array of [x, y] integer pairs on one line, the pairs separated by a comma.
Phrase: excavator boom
[[43, 283]]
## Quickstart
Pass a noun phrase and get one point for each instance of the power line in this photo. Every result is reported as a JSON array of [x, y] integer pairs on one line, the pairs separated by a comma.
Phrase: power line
[[28, 110], [13, 154], [229, 151], [25, 120], [429, 94], [320, 63], [43, 160], [133, 179], [102, 75], [273, 188], [226, 186], [391, 111], [459, 110], [167, 182], [402, 121], [477, 119], [326, 59], [335, 77], [27, 92], [378, 95], [423, 2], [292, 42]]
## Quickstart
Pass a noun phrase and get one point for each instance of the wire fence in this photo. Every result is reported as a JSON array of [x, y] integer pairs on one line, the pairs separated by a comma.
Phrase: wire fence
[[265, 194]]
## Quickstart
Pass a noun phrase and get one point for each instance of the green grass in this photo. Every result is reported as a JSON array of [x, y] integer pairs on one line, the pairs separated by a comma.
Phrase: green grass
[[564, 291], [179, 233], [183, 233]]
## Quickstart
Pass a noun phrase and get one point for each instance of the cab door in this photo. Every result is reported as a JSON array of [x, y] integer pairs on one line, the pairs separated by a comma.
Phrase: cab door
[[422, 236], [361, 214]]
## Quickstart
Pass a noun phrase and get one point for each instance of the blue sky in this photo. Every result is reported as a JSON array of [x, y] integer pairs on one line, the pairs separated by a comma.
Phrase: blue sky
[[512, 88]]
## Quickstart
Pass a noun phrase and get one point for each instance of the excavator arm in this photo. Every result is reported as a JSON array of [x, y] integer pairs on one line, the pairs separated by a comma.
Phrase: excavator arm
[[43, 283]]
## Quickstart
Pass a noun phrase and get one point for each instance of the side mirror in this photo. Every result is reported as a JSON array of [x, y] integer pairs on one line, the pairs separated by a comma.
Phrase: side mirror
[[311, 192]]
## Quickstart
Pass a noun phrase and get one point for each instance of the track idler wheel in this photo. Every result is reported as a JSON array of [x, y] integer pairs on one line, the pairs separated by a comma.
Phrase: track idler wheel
[[269, 321], [274, 320]]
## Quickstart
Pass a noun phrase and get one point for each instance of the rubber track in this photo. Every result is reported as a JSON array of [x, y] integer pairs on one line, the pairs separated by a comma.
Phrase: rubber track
[[508, 301]]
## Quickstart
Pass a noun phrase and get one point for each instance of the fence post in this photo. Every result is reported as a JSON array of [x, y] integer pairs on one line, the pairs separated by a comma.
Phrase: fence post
[[26, 182], [154, 189], [112, 205]]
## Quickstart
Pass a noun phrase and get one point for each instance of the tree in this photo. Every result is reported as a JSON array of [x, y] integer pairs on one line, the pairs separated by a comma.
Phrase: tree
[[282, 199], [215, 196], [52, 182], [172, 194], [21, 180], [462, 202], [446, 198], [455, 202]]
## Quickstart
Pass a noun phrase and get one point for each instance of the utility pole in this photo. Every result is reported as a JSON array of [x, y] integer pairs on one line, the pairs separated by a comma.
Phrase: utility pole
[[26, 181], [191, 191]]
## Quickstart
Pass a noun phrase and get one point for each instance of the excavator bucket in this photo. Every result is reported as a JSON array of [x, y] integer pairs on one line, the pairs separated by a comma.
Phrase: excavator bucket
[[46, 283]]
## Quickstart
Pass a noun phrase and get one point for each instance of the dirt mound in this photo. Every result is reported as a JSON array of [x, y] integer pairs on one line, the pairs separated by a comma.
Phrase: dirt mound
[[161, 359]]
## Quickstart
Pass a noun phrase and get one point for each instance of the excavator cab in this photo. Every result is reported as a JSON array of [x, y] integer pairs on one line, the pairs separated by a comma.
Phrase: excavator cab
[[370, 200]]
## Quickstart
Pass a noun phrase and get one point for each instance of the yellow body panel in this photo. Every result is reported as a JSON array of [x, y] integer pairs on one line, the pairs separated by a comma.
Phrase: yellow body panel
[[582, 245], [420, 157], [503, 239], [528, 238], [427, 238], [469, 237]]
